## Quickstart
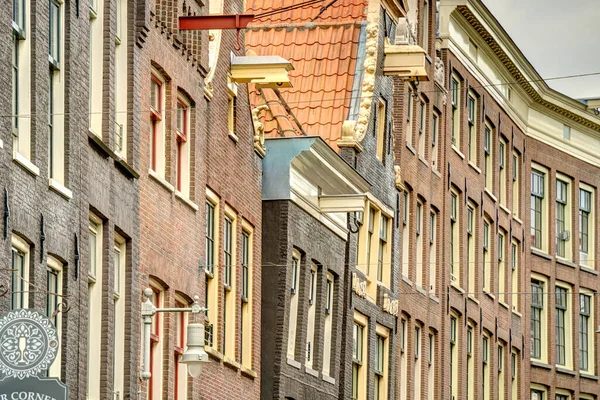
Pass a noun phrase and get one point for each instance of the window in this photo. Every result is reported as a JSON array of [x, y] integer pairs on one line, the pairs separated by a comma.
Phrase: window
[[381, 119], [487, 159], [21, 87], [246, 322], [56, 139], [455, 124], [211, 275], [403, 359], [417, 367], [374, 254], [586, 226], [96, 66], [472, 118], [329, 303], [293, 318], [562, 222], [432, 251], [406, 235], [230, 297], [515, 276], [155, 386], [119, 291], [158, 139], [537, 314], [419, 242], [501, 382], [232, 108], [562, 397], [431, 381], [426, 27], [383, 246], [180, 332], [381, 363], [183, 146], [514, 384], [20, 274], [370, 232], [470, 363], [453, 357], [515, 184], [54, 275], [359, 334], [486, 256], [422, 127], [502, 167], [586, 333], [471, 250], [121, 80], [409, 114], [95, 267], [310, 335], [485, 382], [563, 330], [454, 245], [501, 269], [537, 394], [434, 140], [537, 211]]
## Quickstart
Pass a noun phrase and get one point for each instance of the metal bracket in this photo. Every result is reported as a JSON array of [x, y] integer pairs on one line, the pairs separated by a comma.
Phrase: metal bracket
[[6, 213], [76, 257], [42, 238]]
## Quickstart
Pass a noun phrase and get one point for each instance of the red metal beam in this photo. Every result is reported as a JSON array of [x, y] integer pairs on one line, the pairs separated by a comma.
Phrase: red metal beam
[[216, 21]]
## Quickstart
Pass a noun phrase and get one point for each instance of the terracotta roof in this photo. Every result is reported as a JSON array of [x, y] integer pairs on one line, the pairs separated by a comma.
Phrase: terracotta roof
[[324, 58], [341, 10]]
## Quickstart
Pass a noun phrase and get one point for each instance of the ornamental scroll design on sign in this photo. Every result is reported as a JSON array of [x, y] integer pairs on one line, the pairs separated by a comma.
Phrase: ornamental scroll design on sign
[[359, 286], [390, 305], [28, 344]]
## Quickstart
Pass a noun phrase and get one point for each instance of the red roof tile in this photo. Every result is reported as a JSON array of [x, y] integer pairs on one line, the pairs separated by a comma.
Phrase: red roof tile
[[341, 10]]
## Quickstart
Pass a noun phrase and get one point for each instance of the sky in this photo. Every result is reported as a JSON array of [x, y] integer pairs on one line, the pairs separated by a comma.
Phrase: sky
[[558, 38]]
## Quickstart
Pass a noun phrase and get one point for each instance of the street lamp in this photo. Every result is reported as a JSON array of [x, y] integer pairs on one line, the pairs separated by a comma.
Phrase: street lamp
[[194, 357]]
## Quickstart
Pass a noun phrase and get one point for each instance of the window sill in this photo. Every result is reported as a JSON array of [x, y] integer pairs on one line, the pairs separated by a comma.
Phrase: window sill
[[99, 144], [293, 363], [127, 169], [588, 376], [505, 209], [588, 270], [248, 372], [60, 189], [186, 201], [421, 290], [328, 379], [503, 304], [101, 147], [213, 353], [161, 180], [518, 314], [565, 262], [233, 137], [455, 286], [434, 298], [457, 151], [540, 364], [231, 363], [436, 172], [485, 291], [311, 371], [409, 147], [423, 160], [475, 167], [540, 253], [473, 299], [406, 280], [565, 370], [25, 163], [516, 218], [490, 194]]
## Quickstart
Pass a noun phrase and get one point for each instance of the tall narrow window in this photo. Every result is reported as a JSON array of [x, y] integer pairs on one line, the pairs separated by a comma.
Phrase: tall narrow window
[[229, 298], [119, 265], [537, 308], [383, 248], [537, 212], [21, 87], [417, 367], [585, 332], [380, 129], [96, 66], [471, 118], [232, 109], [211, 274], [158, 140], [121, 79], [515, 276], [432, 251], [455, 115], [515, 184], [470, 364], [409, 116], [183, 146], [453, 357], [501, 374], [95, 275], [485, 382], [486, 256], [419, 243], [54, 275], [514, 384], [293, 317], [403, 359], [381, 363], [20, 274], [180, 330], [431, 381], [454, 255], [435, 133], [562, 232], [370, 232], [422, 127], [470, 250], [310, 335], [501, 269], [359, 355], [561, 333], [56, 139], [426, 27], [155, 386], [502, 167], [246, 322], [329, 305], [586, 227], [487, 159], [406, 235]]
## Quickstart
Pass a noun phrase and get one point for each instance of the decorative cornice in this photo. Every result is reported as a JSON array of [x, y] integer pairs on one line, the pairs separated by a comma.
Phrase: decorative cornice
[[515, 72]]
